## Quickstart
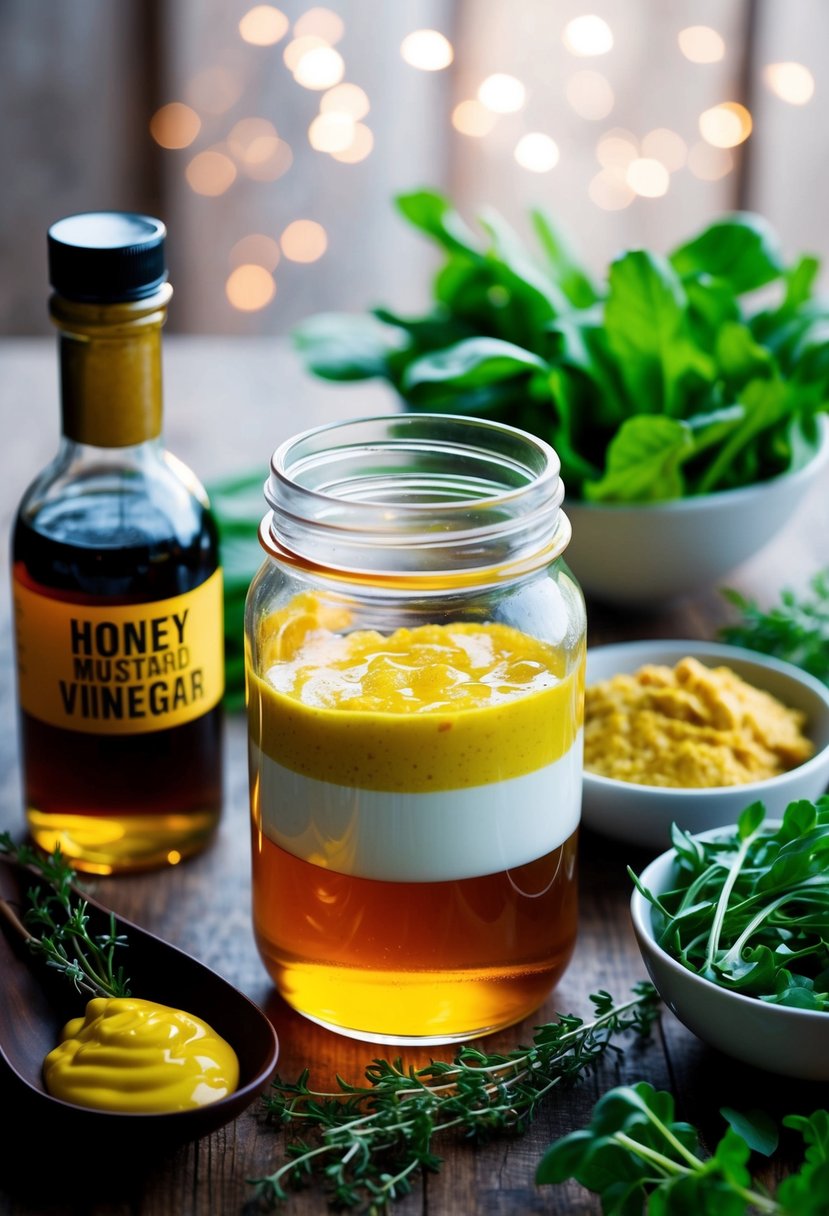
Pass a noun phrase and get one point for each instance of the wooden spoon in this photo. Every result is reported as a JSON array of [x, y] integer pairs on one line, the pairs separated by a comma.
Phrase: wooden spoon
[[37, 1002]]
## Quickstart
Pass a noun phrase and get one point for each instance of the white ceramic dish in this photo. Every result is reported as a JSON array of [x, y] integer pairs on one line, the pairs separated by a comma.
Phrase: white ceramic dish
[[644, 553], [792, 1042], [643, 814]]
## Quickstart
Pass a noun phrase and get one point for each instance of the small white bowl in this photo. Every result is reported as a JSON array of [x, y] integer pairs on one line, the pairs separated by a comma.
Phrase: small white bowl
[[644, 553], [643, 814], [792, 1042]]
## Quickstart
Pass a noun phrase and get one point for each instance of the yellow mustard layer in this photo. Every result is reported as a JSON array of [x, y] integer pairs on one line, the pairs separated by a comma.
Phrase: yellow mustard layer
[[437, 707], [127, 1054]]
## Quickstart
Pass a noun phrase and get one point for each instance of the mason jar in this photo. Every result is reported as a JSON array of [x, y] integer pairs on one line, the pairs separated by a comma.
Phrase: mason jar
[[415, 689]]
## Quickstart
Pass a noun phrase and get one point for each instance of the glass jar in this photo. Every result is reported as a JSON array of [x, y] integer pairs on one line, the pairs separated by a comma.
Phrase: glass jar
[[415, 688]]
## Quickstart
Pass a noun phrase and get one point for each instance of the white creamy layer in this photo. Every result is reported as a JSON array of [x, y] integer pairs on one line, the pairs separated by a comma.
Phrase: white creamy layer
[[420, 837]]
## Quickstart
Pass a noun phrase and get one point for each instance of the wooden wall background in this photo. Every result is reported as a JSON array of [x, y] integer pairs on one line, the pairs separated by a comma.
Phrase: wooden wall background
[[80, 81]]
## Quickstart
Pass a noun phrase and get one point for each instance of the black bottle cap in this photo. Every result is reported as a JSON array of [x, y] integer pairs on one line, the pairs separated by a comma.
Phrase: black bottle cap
[[102, 257]]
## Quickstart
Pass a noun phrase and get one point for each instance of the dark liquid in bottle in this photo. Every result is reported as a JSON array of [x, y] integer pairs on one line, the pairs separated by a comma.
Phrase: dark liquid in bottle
[[119, 802]]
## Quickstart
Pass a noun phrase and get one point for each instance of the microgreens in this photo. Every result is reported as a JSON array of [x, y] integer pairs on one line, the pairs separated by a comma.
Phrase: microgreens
[[637, 1157], [795, 630], [750, 911]]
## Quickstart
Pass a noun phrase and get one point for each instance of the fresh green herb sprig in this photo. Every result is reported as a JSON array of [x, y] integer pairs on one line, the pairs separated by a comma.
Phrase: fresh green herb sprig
[[369, 1141], [750, 911], [638, 1158], [796, 630], [56, 925], [673, 376]]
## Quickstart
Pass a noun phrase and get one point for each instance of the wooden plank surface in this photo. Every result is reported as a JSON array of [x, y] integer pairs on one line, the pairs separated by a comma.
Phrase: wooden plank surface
[[228, 403]]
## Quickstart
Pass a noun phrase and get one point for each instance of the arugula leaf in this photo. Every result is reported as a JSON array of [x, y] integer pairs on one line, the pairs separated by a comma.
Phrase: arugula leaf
[[741, 249], [643, 461]]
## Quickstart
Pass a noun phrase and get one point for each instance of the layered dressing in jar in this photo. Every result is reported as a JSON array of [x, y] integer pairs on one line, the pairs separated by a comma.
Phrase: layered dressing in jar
[[415, 759]]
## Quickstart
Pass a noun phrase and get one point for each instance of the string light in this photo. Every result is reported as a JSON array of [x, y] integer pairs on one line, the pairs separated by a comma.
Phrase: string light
[[709, 164], [263, 25], [250, 288], [610, 190], [701, 44], [616, 149], [588, 35], [502, 94], [590, 95], [175, 125], [471, 118], [304, 241], [725, 125], [791, 82], [320, 23], [320, 68], [428, 50], [345, 99], [215, 90], [665, 146], [362, 142], [256, 249], [210, 173], [333, 132], [298, 47], [537, 152], [647, 177]]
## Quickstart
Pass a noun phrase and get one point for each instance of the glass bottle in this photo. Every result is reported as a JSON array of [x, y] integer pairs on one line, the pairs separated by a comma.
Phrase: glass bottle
[[415, 685], [116, 580]]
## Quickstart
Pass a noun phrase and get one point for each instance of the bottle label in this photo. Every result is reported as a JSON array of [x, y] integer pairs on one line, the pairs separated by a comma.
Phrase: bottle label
[[119, 670]]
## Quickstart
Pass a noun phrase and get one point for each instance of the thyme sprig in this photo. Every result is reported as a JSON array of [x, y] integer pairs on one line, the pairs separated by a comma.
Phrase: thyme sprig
[[369, 1141], [55, 924]]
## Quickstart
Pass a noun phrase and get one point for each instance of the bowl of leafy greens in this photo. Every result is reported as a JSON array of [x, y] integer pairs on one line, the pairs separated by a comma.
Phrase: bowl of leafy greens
[[683, 392], [733, 927]]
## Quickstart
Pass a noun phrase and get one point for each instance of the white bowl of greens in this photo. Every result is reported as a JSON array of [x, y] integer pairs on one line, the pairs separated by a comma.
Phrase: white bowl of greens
[[733, 926], [682, 390]]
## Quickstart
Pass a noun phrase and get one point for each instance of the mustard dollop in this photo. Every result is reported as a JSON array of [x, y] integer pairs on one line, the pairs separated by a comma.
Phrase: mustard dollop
[[133, 1055]]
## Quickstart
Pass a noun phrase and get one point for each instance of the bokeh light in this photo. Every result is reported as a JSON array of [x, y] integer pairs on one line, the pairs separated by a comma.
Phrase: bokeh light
[[709, 164], [211, 173], [256, 146], [503, 94], [725, 125], [647, 177], [332, 132], [610, 191], [666, 146], [590, 95], [256, 249], [428, 50], [299, 47], [588, 35], [537, 152], [250, 288], [345, 99], [263, 25], [616, 149], [701, 44], [304, 241], [471, 118], [175, 125], [320, 23], [791, 82], [362, 142], [215, 90], [320, 68]]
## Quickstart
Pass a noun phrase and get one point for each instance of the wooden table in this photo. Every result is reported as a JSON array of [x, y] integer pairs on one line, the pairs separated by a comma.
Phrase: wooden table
[[229, 402]]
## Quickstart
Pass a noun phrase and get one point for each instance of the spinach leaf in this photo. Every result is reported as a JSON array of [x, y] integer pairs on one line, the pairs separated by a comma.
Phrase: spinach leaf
[[643, 461]]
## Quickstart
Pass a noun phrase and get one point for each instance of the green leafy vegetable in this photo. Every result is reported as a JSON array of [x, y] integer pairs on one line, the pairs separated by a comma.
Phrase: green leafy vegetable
[[55, 925], [637, 1157], [750, 911], [370, 1141], [795, 630], [602, 370]]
